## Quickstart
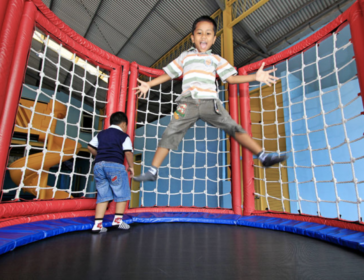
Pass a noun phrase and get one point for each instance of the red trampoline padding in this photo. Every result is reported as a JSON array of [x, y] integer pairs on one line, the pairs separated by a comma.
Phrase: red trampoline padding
[[28, 212], [179, 209]]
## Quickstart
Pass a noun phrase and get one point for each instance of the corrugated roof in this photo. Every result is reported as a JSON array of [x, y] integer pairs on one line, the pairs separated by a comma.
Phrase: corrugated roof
[[144, 30]]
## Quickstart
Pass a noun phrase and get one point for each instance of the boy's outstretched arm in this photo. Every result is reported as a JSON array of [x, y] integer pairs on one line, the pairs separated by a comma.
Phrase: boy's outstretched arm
[[260, 76], [130, 159], [145, 86]]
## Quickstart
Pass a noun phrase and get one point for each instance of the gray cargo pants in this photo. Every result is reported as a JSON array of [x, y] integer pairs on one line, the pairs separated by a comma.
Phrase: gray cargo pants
[[188, 112]]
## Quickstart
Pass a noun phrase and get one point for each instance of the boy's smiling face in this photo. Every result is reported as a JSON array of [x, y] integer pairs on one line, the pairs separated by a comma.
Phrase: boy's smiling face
[[204, 36]]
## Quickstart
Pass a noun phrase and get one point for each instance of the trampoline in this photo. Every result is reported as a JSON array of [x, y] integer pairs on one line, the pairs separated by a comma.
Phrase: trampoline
[[202, 247], [301, 219]]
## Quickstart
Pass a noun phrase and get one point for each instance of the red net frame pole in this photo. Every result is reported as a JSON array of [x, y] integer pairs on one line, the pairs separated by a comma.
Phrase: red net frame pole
[[131, 109], [3, 6], [10, 17], [131, 102], [16, 77], [112, 95], [235, 153], [248, 164], [123, 88], [356, 21]]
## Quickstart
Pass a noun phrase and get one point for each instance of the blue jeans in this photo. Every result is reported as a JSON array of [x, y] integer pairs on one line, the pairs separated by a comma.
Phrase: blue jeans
[[112, 182]]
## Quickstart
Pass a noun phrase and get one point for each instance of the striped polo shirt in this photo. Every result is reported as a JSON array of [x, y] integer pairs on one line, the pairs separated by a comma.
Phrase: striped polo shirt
[[199, 73]]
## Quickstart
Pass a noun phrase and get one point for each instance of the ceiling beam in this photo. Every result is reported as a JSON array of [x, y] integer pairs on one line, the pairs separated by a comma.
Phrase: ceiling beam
[[239, 43], [51, 5], [254, 37], [221, 4], [93, 18], [138, 27]]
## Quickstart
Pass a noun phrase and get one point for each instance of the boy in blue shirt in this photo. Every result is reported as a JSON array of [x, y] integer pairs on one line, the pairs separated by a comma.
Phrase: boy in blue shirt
[[199, 97], [112, 183]]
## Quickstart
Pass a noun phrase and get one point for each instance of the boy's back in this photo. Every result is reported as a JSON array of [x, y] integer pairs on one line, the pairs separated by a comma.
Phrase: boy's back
[[111, 145]]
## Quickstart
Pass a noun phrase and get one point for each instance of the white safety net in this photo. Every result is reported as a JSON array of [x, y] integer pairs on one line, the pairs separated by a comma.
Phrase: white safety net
[[62, 107], [314, 116], [195, 175]]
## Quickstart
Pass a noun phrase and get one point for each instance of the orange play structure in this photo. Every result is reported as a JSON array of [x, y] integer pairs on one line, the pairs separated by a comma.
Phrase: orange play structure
[[48, 158]]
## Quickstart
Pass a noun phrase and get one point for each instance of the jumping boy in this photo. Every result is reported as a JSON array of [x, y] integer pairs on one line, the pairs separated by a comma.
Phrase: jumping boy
[[199, 97], [109, 147]]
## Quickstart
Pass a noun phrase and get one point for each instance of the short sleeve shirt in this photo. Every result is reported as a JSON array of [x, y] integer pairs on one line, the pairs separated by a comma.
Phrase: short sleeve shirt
[[199, 73], [111, 145]]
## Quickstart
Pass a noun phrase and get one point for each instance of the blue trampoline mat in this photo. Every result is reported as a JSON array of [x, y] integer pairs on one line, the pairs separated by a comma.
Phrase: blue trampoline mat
[[18, 235]]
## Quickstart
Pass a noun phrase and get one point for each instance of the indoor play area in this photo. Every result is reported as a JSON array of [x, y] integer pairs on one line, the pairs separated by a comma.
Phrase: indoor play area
[[215, 212]]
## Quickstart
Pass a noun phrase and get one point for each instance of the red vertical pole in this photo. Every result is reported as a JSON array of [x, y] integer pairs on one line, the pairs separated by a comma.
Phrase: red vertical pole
[[3, 7], [248, 164], [124, 87], [112, 95], [235, 153], [356, 21], [130, 110], [11, 18], [14, 87]]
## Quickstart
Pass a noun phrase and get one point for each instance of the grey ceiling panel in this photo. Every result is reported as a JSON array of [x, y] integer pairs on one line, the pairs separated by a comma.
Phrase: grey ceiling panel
[[149, 3], [132, 52], [77, 15], [179, 20], [194, 9], [183, 13], [240, 34], [153, 42], [47, 2], [99, 39], [125, 16], [105, 35], [241, 53]]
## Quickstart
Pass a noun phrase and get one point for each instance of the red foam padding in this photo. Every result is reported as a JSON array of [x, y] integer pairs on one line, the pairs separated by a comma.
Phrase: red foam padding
[[14, 213], [14, 209], [180, 209]]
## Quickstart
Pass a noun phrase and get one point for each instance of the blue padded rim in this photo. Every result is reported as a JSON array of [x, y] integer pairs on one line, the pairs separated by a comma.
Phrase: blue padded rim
[[19, 235]]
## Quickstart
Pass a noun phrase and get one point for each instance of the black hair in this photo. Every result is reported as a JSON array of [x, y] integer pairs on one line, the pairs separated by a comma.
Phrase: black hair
[[204, 18], [118, 118]]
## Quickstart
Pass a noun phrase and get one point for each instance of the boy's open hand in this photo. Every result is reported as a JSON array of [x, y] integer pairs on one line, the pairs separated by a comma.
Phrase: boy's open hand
[[143, 89], [264, 77]]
